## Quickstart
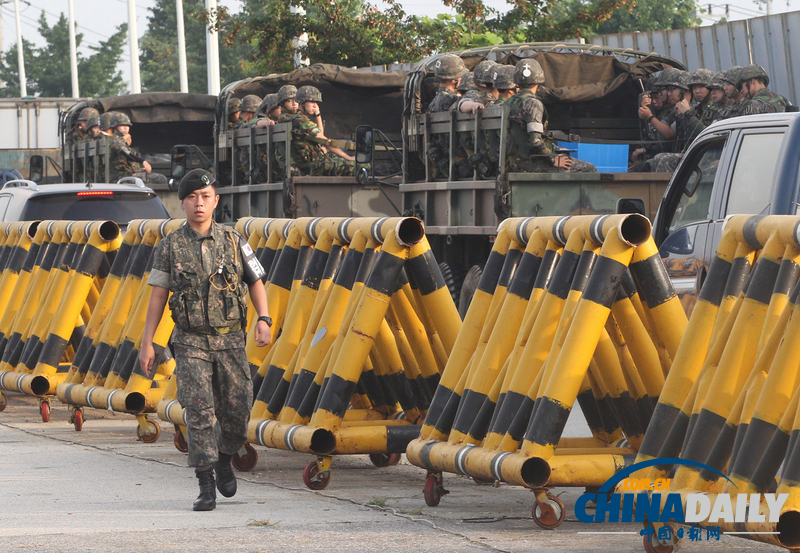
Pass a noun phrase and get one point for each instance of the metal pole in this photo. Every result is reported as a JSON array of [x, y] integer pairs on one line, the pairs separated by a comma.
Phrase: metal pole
[[73, 52], [133, 40], [181, 47], [212, 52], [23, 85]]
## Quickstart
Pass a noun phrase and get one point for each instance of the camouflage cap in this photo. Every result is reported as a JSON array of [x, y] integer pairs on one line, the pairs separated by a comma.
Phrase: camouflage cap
[[195, 179], [105, 120], [731, 75], [250, 103], [449, 66], [234, 105], [701, 77], [86, 113], [120, 119], [308, 93], [503, 77], [466, 82], [483, 73], [287, 92], [716, 82], [528, 72], [753, 71]]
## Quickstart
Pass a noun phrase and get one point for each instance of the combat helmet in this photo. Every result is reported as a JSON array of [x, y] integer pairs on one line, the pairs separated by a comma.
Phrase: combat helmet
[[287, 92], [731, 75], [250, 103], [483, 73], [466, 82], [680, 79], [234, 105], [105, 120], [86, 113], [753, 71], [270, 102], [308, 93], [93, 121], [716, 82], [528, 72], [701, 77], [664, 77], [120, 119], [448, 67], [503, 77]]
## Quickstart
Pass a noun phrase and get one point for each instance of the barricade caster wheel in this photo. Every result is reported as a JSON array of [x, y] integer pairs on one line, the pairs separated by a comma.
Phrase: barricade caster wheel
[[654, 545], [550, 514], [77, 419], [434, 489], [151, 435], [3, 401], [245, 459], [45, 410], [180, 441], [314, 478], [385, 459]]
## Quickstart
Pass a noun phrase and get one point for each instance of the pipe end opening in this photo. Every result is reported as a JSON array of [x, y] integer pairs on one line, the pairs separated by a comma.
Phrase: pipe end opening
[[535, 472]]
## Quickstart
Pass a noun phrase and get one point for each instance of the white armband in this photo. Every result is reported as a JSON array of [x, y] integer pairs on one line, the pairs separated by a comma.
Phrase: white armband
[[535, 127]]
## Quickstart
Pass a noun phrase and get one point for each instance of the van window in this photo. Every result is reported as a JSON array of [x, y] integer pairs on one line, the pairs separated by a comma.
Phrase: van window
[[751, 183], [698, 183]]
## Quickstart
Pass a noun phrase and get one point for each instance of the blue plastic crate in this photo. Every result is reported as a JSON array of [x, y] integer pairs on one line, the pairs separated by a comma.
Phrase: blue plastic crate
[[608, 158]]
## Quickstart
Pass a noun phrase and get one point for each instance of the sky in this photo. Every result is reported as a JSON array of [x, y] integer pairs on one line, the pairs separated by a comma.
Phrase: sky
[[98, 19]]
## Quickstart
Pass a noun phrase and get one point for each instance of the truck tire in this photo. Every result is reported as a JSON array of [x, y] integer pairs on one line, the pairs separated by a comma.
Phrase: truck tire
[[471, 281], [454, 277]]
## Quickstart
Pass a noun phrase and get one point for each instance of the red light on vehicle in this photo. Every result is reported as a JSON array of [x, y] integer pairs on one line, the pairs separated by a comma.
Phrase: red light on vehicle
[[97, 193]]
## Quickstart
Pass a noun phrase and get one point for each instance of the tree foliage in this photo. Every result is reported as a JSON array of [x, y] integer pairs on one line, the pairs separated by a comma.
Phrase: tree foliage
[[641, 15], [159, 49], [47, 69]]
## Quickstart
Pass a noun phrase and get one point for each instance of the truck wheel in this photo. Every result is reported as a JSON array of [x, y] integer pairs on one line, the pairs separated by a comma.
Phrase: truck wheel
[[454, 277], [471, 281]]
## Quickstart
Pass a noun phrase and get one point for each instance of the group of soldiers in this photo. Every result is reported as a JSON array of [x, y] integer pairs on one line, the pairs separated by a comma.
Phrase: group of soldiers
[[678, 105], [489, 84], [124, 160], [312, 153]]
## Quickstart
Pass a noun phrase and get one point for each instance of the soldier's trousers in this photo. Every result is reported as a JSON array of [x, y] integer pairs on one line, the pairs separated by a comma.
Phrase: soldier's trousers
[[213, 383]]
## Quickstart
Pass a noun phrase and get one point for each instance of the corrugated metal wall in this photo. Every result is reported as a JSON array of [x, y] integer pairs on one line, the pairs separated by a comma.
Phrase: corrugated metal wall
[[767, 41]]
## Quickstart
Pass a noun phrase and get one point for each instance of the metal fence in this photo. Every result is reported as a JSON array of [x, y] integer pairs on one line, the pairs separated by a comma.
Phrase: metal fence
[[767, 41]]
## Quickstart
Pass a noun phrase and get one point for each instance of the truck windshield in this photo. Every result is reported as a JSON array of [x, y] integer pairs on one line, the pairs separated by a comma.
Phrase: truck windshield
[[120, 207]]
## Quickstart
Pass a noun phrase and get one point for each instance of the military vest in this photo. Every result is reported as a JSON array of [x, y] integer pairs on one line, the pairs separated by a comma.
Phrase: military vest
[[203, 303], [518, 144]]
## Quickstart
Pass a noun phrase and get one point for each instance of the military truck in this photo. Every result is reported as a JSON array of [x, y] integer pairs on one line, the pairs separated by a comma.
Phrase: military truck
[[591, 95]]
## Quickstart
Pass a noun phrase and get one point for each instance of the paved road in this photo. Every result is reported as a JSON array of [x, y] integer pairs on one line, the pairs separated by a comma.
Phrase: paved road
[[101, 490]]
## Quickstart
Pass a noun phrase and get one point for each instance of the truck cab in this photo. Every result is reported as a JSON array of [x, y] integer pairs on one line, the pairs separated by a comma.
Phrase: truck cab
[[744, 165]]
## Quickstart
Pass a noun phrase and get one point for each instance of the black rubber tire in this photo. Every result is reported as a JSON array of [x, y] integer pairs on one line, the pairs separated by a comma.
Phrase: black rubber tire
[[453, 275], [468, 288]]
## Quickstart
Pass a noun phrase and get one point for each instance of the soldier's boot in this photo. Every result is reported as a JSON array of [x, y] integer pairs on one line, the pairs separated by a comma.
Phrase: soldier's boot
[[207, 500], [226, 480]]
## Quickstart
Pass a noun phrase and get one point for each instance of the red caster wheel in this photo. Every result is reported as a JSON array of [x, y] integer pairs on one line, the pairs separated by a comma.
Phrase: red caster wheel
[[245, 461], [315, 479], [3, 401], [654, 545], [77, 419], [548, 515], [152, 434], [385, 459], [180, 441], [434, 489], [44, 409]]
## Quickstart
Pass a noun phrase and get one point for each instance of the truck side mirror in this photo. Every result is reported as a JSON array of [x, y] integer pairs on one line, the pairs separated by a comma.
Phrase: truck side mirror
[[36, 170], [631, 205], [177, 161], [364, 141]]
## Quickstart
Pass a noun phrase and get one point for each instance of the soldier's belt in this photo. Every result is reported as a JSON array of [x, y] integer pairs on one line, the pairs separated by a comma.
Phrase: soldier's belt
[[221, 331]]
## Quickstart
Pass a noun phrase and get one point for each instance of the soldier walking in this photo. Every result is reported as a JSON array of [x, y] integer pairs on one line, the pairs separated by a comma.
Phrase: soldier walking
[[209, 269]]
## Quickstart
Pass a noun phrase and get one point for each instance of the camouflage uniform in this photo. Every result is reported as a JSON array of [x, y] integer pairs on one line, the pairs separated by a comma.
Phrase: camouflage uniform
[[209, 278], [308, 158], [765, 101], [448, 67], [124, 162]]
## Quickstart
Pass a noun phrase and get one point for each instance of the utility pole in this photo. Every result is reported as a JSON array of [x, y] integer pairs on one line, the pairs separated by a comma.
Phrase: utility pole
[[23, 85], [181, 47], [212, 51], [73, 52], [136, 85]]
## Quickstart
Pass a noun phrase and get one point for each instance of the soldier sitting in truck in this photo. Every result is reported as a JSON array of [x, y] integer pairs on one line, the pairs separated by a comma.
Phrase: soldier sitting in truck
[[81, 132], [753, 81], [687, 124], [268, 112], [124, 160], [234, 110], [248, 109], [449, 69], [736, 106], [528, 148], [483, 94]]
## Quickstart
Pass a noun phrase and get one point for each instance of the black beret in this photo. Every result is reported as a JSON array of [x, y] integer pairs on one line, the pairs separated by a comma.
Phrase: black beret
[[195, 180]]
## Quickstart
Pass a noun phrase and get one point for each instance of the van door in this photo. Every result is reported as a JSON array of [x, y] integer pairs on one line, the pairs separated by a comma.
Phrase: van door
[[685, 215]]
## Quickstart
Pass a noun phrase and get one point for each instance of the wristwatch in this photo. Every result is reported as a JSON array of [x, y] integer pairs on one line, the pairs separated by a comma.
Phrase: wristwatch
[[649, 119], [267, 319]]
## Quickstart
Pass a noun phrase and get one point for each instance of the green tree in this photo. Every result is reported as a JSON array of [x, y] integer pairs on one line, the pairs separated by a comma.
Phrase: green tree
[[159, 49], [640, 15], [47, 69]]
